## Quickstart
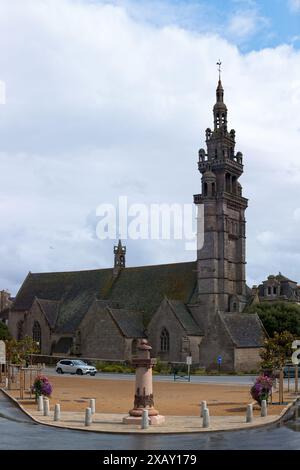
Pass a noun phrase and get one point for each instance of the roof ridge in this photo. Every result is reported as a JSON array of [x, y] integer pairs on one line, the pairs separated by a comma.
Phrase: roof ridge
[[30, 274]]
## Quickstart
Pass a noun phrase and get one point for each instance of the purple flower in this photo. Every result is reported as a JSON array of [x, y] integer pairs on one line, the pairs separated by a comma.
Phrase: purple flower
[[42, 386], [262, 388]]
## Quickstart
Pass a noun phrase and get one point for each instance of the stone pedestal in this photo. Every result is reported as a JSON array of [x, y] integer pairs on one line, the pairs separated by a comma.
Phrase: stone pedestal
[[143, 398]]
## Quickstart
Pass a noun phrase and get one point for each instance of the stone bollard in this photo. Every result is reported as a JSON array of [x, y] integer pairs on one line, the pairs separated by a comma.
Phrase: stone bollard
[[206, 419], [40, 403], [203, 406], [249, 414], [264, 409], [93, 405], [145, 419], [6, 382], [57, 412], [88, 417], [46, 407]]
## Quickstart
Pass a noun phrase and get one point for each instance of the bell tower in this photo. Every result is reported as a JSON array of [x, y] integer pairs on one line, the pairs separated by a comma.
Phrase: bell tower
[[221, 260], [119, 262]]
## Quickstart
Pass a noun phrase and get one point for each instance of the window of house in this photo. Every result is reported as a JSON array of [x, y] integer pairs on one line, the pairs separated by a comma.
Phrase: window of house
[[20, 332], [164, 340], [269, 290], [36, 333]]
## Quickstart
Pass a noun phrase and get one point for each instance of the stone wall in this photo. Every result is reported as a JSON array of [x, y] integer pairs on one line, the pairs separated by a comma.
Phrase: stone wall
[[180, 343], [28, 319], [246, 359], [216, 343], [100, 336]]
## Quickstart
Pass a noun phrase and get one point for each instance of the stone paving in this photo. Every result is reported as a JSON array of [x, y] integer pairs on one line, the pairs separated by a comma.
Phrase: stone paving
[[112, 423]]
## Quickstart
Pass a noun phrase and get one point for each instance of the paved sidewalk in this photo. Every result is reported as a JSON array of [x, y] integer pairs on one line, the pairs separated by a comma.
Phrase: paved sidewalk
[[112, 423]]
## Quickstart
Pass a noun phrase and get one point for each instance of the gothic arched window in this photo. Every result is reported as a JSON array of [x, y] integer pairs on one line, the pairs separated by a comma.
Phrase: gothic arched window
[[164, 340], [36, 334], [20, 331]]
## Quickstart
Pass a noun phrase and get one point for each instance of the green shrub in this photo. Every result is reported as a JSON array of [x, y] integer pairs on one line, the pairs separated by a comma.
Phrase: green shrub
[[112, 367]]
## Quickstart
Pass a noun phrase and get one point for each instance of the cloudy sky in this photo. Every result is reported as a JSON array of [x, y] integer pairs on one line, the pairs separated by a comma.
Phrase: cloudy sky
[[109, 98]]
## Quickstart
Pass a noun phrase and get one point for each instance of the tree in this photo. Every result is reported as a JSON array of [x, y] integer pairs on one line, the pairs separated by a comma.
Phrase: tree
[[4, 333], [19, 351], [277, 350], [278, 316]]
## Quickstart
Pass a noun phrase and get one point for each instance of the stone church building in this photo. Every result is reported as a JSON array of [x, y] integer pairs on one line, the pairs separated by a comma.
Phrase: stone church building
[[193, 308]]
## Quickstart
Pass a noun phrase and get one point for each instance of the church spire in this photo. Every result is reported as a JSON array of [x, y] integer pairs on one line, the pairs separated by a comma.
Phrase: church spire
[[119, 252], [220, 90], [220, 108]]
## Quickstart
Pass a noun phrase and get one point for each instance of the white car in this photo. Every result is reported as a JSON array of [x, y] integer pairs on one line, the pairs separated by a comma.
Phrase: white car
[[74, 366]]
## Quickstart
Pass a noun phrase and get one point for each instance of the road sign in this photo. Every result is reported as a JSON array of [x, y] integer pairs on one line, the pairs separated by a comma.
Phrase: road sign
[[2, 353], [219, 359], [189, 360]]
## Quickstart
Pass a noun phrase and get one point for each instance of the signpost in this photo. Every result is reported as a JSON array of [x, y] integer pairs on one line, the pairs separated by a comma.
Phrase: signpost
[[295, 361], [2, 357], [189, 362], [219, 363]]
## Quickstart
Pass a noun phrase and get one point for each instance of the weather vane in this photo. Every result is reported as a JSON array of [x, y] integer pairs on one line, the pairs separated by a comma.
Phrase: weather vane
[[219, 68]]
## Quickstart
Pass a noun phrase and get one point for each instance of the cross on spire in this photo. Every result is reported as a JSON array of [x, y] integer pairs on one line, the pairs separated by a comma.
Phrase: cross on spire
[[219, 63]]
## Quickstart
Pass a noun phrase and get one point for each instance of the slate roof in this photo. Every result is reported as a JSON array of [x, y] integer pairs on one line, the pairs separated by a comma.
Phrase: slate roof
[[141, 289], [130, 322], [245, 329], [185, 317], [50, 309]]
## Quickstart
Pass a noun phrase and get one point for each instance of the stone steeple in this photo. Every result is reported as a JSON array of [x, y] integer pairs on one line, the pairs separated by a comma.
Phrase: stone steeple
[[221, 260], [119, 252]]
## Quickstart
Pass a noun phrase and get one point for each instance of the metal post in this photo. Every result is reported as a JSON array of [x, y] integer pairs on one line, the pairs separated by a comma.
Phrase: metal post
[[264, 409], [206, 419], [288, 378], [93, 405], [145, 419], [22, 380], [9, 377], [249, 414], [46, 407], [189, 372], [202, 408], [281, 386], [88, 417], [40, 403], [296, 377], [56, 412]]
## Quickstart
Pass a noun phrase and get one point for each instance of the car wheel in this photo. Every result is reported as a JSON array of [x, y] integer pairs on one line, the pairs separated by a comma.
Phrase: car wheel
[[79, 372], [59, 371]]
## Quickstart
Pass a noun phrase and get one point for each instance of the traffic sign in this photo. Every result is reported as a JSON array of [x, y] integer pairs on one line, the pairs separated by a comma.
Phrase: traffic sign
[[189, 360]]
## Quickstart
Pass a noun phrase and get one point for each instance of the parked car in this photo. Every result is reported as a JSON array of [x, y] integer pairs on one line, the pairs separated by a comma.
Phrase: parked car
[[75, 366], [289, 371]]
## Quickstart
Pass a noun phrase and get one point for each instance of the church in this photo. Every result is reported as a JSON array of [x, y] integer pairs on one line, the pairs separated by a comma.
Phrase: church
[[184, 309]]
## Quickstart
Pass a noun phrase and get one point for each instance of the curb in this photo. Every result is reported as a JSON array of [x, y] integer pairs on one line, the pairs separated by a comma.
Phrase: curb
[[150, 431]]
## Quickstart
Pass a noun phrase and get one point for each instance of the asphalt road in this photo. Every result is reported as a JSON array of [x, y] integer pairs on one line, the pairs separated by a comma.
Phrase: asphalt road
[[18, 432], [215, 379]]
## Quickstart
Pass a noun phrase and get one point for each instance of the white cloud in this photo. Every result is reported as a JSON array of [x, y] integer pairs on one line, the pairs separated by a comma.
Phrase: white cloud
[[245, 23], [296, 214], [100, 104], [294, 5]]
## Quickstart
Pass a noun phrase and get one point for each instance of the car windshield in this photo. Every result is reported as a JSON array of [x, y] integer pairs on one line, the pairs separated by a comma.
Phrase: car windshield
[[79, 363]]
